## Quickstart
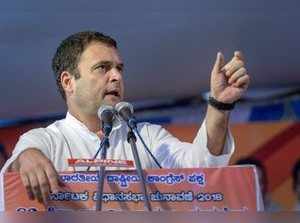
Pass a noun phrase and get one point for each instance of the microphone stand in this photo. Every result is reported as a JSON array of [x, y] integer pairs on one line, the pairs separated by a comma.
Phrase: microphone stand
[[131, 138], [101, 173], [133, 127], [146, 147], [98, 151]]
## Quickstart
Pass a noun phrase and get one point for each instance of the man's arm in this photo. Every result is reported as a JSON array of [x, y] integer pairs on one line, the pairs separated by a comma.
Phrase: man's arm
[[32, 159], [216, 126], [228, 83]]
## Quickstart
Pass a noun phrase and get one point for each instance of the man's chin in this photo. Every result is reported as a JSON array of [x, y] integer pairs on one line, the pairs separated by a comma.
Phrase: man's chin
[[111, 100]]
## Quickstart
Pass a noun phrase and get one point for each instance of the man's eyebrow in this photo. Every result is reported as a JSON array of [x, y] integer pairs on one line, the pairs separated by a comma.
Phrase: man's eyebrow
[[103, 62], [107, 63]]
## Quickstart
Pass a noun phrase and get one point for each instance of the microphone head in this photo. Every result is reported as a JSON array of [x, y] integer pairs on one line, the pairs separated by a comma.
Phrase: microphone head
[[124, 110], [106, 113]]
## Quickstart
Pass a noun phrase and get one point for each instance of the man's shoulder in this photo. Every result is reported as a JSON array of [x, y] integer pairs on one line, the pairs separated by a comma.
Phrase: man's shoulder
[[51, 130]]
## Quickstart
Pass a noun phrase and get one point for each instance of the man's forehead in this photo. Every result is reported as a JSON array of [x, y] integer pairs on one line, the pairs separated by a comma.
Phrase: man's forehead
[[97, 51]]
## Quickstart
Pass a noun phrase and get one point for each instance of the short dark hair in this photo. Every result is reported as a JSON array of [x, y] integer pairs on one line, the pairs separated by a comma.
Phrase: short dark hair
[[295, 176], [69, 51]]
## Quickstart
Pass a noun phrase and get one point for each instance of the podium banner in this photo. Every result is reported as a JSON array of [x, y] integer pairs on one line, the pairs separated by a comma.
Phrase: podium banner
[[224, 189]]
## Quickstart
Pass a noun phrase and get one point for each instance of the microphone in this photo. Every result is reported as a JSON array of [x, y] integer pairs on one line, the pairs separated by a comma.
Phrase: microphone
[[125, 111], [106, 114]]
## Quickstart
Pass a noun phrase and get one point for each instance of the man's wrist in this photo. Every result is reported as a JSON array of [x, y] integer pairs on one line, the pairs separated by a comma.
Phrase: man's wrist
[[220, 105]]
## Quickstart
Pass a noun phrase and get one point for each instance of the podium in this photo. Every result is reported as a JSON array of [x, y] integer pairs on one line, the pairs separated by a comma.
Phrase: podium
[[226, 189]]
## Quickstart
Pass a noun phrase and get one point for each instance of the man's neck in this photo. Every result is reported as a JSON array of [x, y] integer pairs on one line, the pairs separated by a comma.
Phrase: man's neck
[[92, 122]]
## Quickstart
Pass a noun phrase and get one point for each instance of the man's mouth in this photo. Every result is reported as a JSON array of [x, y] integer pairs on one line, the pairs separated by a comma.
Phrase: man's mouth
[[112, 93]]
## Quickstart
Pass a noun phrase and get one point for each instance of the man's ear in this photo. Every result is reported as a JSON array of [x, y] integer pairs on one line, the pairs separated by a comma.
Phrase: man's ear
[[67, 82]]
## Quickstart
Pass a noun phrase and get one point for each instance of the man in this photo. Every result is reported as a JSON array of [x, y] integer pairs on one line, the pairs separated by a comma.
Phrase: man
[[89, 73]]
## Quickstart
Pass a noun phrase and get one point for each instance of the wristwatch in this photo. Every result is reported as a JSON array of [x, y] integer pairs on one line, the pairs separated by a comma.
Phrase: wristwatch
[[220, 105]]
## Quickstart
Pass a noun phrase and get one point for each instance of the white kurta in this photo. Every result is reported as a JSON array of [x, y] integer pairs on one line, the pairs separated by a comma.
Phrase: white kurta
[[69, 138]]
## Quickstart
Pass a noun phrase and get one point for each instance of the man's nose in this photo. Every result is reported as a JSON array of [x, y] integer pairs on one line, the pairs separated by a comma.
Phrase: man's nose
[[115, 75]]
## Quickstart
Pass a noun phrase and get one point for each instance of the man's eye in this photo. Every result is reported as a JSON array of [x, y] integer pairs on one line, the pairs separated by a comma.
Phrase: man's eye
[[103, 68], [120, 68]]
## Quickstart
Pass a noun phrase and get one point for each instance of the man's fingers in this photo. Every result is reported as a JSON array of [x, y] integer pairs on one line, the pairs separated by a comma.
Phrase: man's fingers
[[53, 179], [239, 55], [35, 187], [219, 63], [240, 72], [238, 58], [44, 186], [242, 82], [39, 175], [233, 66], [27, 185]]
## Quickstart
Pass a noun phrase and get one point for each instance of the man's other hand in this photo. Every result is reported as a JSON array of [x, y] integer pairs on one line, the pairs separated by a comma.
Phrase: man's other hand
[[37, 174], [229, 81]]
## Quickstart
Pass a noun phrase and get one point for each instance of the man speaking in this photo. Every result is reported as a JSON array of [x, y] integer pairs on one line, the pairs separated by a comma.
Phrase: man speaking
[[89, 73]]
